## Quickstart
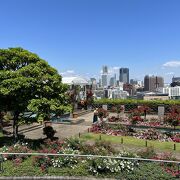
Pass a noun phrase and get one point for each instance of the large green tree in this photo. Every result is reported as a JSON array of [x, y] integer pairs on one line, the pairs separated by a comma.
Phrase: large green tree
[[28, 83]]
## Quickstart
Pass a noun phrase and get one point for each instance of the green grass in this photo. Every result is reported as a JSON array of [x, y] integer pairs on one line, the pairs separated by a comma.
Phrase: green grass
[[128, 140], [24, 169]]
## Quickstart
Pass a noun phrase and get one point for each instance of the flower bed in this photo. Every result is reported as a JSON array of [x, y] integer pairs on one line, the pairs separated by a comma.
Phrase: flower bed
[[139, 121], [56, 165], [147, 134]]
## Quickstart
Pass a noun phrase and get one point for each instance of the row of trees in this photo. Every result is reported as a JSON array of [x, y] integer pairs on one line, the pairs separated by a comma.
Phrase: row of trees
[[28, 83]]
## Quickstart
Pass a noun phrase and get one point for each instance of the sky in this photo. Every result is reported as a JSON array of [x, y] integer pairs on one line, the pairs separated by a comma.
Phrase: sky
[[78, 37]]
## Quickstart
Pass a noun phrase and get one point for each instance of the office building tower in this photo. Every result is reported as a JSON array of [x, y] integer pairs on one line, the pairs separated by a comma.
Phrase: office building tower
[[133, 81], [176, 79], [112, 81], [94, 83], [124, 75], [104, 80], [104, 76], [151, 83], [105, 70]]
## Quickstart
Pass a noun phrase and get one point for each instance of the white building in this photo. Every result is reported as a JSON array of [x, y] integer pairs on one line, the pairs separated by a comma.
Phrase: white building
[[77, 81], [114, 93], [174, 92]]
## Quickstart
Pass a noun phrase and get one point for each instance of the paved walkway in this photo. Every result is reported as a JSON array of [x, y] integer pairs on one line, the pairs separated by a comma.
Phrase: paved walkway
[[79, 125], [35, 131]]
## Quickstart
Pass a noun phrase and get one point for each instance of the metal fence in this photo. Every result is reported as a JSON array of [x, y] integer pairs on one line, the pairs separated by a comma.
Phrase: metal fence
[[92, 156]]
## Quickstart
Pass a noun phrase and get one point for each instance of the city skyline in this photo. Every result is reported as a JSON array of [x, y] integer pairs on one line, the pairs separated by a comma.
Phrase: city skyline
[[79, 37]]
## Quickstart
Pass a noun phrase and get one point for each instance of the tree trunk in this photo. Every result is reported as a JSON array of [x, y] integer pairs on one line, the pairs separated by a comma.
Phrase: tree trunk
[[1, 121], [15, 126]]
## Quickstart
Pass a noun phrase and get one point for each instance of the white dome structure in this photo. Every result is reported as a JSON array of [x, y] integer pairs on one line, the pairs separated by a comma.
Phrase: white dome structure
[[74, 81]]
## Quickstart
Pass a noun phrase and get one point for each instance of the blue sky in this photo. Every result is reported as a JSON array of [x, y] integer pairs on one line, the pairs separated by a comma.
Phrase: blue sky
[[79, 36]]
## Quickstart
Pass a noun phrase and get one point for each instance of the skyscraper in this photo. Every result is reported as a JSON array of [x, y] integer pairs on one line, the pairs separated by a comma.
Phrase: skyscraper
[[151, 83], [105, 70], [112, 81], [124, 75], [104, 76], [104, 80]]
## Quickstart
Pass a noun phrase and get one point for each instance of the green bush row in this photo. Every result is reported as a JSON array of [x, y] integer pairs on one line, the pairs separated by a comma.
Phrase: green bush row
[[135, 102]]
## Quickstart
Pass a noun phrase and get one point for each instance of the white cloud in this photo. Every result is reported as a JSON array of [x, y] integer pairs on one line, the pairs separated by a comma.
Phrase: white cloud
[[172, 64], [68, 73], [170, 73], [116, 68]]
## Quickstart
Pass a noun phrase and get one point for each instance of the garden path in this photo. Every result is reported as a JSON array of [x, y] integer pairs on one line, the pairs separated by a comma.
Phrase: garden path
[[35, 131]]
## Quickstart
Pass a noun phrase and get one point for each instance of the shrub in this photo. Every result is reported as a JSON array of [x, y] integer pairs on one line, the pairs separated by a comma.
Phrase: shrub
[[53, 145], [74, 143], [100, 148], [66, 161], [104, 166], [148, 153], [17, 148], [49, 132], [42, 161], [106, 146], [102, 113]]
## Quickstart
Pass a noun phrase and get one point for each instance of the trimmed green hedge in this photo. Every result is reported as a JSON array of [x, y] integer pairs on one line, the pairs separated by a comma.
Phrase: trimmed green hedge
[[131, 104], [137, 102]]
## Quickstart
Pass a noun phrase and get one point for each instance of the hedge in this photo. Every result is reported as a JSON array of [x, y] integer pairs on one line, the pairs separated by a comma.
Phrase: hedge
[[137, 102]]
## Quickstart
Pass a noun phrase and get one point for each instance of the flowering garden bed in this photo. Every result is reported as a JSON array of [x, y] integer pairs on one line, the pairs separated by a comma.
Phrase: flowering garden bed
[[26, 165], [123, 130]]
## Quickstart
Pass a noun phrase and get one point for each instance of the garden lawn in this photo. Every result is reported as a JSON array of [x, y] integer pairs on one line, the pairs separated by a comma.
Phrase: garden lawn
[[128, 140]]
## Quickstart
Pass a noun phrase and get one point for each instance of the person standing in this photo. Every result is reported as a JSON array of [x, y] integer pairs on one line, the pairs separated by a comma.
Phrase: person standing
[[95, 117]]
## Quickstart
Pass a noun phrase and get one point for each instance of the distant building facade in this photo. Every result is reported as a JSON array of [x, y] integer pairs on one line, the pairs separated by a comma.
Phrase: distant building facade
[[112, 81], [94, 83], [173, 92], [152, 96], [124, 75], [176, 79], [151, 83]]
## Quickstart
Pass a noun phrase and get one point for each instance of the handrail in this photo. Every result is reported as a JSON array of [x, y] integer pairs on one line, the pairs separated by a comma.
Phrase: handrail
[[92, 156]]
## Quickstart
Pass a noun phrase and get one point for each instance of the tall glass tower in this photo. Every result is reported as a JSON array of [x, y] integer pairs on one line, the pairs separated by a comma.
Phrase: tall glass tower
[[124, 75], [104, 76]]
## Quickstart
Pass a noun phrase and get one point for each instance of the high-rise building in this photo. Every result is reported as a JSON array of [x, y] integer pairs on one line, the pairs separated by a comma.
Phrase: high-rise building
[[94, 83], [112, 81], [104, 76], [105, 70], [124, 75], [104, 80], [151, 83], [133, 81]]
